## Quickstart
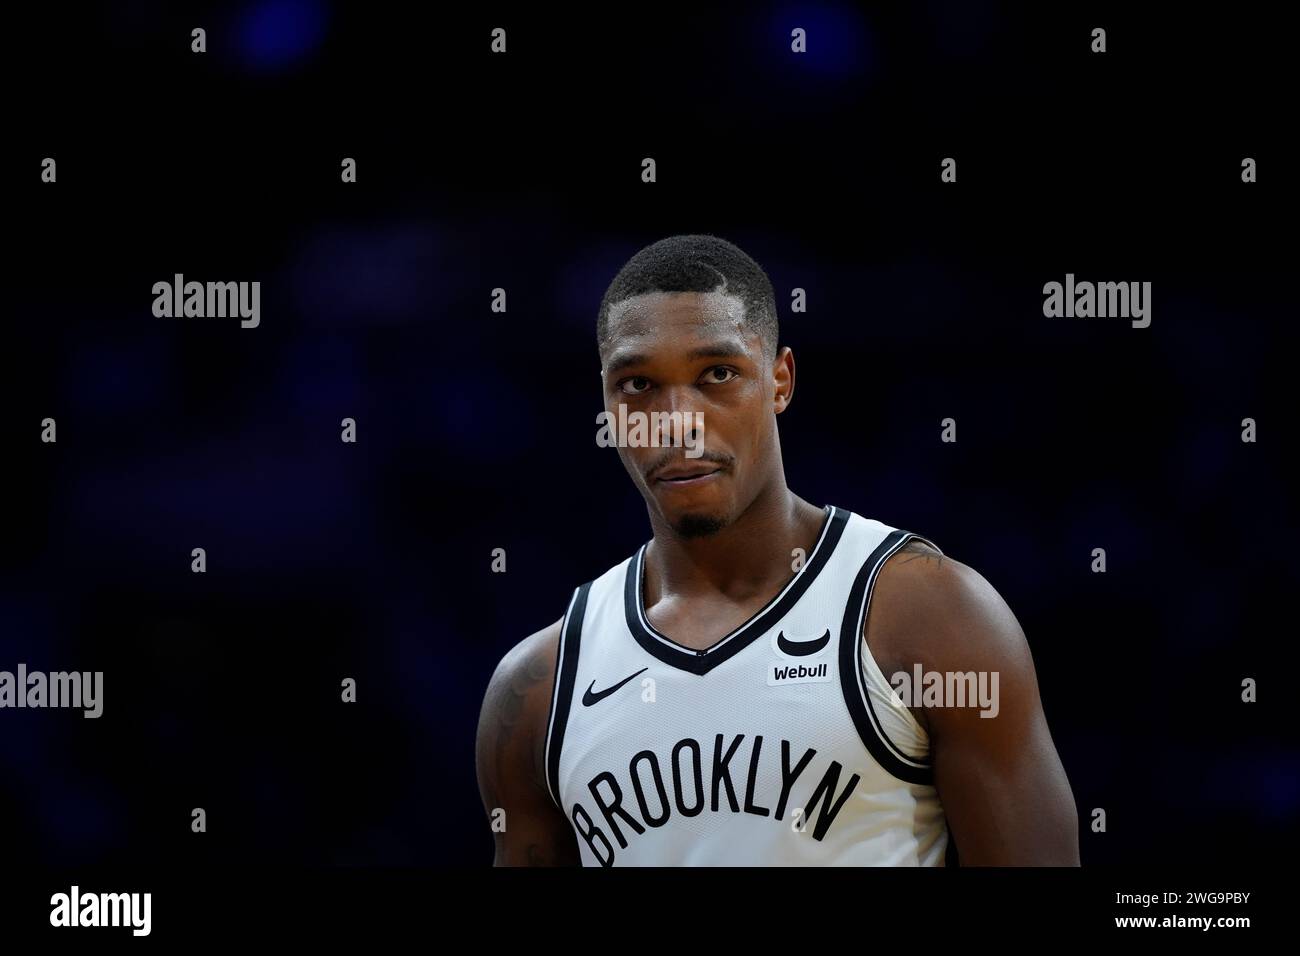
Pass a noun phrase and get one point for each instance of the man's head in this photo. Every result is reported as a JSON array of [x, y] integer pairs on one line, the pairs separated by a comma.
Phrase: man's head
[[689, 325]]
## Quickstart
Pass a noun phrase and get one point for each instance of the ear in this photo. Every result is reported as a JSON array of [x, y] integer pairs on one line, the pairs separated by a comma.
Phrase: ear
[[783, 379]]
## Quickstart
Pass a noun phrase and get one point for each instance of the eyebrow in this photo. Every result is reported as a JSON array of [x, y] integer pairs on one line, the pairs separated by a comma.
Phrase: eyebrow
[[713, 350]]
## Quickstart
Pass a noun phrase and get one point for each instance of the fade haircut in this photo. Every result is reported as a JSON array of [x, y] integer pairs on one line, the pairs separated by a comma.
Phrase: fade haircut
[[696, 263]]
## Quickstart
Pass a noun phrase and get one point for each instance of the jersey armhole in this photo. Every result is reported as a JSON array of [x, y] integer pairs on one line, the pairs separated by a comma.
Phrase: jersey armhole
[[884, 689], [566, 669], [869, 661], [854, 652]]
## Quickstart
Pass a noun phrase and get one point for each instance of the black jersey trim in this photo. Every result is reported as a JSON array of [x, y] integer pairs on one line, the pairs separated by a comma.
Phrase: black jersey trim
[[702, 661], [566, 675], [853, 678]]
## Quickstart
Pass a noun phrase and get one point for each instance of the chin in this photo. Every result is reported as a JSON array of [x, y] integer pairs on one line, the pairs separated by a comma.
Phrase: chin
[[694, 512], [695, 524]]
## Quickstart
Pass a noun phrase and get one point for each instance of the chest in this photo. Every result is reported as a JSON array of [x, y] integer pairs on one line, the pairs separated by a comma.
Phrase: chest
[[698, 623]]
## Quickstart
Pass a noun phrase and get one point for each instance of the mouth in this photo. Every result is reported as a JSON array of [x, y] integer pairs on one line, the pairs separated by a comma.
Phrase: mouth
[[681, 476]]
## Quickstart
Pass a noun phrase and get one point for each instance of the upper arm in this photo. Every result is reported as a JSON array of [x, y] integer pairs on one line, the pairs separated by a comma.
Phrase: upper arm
[[528, 827], [999, 777]]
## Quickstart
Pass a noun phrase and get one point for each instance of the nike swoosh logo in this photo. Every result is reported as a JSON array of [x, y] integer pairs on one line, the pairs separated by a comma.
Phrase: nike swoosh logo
[[802, 648], [588, 698]]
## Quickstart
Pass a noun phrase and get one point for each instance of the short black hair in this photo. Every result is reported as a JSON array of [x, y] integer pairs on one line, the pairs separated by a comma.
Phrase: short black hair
[[696, 263]]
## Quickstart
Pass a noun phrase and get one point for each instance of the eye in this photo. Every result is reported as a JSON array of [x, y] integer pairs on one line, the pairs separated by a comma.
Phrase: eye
[[635, 380], [715, 375]]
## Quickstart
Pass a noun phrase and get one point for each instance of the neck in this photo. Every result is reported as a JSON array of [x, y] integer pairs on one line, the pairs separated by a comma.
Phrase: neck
[[753, 553]]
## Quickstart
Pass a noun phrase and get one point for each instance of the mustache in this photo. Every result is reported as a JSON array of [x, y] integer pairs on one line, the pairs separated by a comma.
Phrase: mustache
[[670, 456]]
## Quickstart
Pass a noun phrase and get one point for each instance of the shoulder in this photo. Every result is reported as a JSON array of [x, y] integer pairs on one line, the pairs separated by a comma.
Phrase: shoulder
[[516, 704], [518, 696], [931, 609], [526, 671], [528, 655]]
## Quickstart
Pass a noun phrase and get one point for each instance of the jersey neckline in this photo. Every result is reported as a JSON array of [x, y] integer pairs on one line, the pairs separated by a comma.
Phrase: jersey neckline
[[668, 651]]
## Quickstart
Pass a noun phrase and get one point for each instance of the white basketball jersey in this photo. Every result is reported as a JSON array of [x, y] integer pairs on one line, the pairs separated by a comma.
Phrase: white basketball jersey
[[780, 744]]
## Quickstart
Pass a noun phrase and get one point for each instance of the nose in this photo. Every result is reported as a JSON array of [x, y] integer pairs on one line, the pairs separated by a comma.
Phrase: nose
[[676, 424]]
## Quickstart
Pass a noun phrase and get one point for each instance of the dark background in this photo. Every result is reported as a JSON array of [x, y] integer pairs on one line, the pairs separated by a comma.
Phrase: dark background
[[372, 560]]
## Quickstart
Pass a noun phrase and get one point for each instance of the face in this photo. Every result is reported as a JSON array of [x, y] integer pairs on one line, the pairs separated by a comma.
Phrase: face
[[691, 353]]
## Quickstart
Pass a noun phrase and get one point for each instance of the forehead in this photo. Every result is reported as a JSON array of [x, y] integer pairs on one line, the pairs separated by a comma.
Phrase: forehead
[[662, 318]]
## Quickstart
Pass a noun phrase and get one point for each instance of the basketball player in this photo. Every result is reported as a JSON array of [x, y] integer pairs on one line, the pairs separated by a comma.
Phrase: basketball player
[[722, 696]]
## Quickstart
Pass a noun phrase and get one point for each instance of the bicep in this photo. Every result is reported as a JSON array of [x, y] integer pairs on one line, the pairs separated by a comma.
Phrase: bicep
[[1001, 782], [1004, 791], [527, 827], [999, 777]]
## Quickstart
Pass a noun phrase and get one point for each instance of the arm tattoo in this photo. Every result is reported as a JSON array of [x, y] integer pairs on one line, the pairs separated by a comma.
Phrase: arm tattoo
[[510, 717], [917, 549], [515, 747]]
